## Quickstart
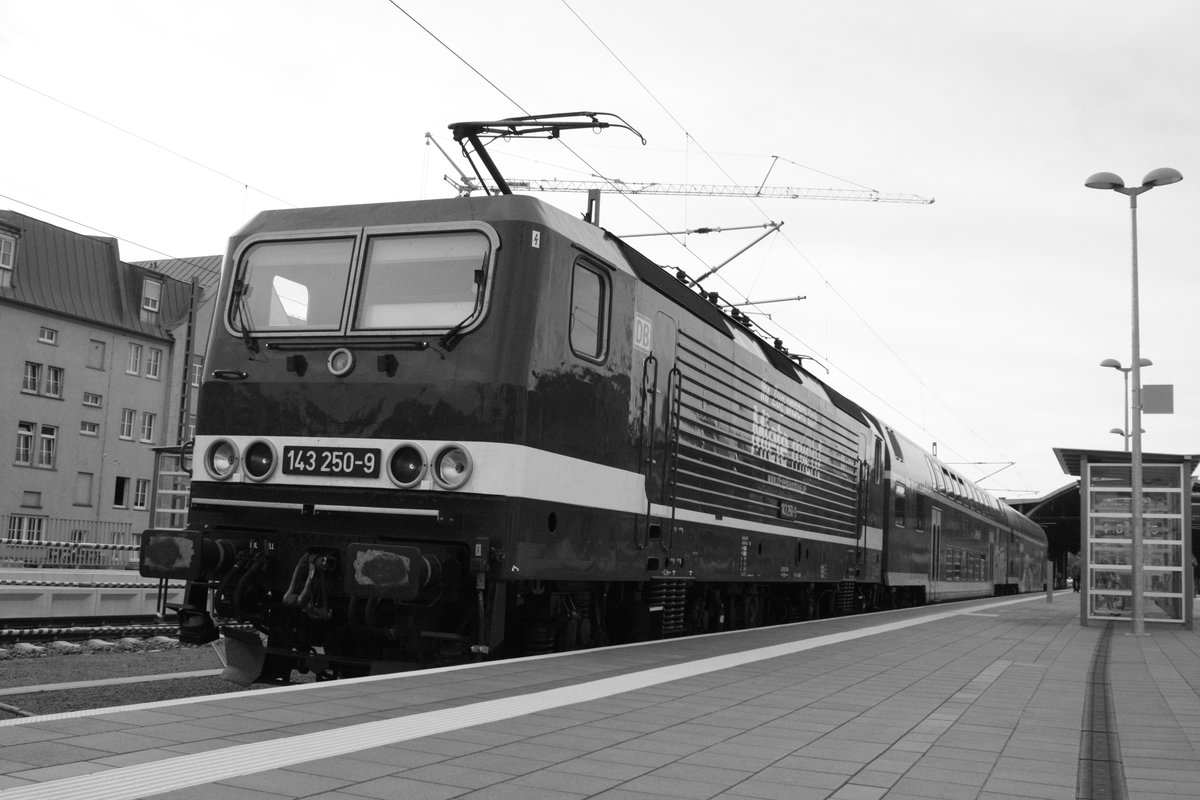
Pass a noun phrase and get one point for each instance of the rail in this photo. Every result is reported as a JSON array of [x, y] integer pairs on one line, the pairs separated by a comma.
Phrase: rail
[[85, 628]]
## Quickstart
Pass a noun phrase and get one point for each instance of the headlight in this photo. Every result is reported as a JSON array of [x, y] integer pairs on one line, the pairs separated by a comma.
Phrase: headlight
[[221, 459], [260, 460], [452, 466], [406, 467]]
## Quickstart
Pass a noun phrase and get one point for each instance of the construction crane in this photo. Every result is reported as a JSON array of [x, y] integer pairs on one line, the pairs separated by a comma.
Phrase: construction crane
[[468, 185], [551, 125]]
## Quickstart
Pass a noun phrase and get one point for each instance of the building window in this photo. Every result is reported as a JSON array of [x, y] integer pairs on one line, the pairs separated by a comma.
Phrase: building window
[[95, 359], [151, 294], [24, 443], [197, 370], [25, 528], [153, 363], [31, 499], [32, 378], [147, 426], [134, 367], [47, 446], [93, 400], [119, 492], [54, 381], [141, 493], [8, 250], [48, 335], [128, 416], [89, 428]]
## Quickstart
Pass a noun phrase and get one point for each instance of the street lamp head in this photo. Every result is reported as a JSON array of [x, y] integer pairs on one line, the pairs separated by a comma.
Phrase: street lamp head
[[1112, 362], [1117, 431], [1104, 180], [1159, 177]]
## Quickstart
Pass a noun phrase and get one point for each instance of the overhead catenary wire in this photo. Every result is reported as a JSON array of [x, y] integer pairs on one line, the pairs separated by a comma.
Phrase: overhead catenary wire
[[148, 248], [140, 138], [617, 187], [828, 283], [525, 111], [516, 104]]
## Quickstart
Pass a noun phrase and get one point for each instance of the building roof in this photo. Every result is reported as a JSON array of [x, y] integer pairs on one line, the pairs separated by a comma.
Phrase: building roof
[[83, 277], [205, 269]]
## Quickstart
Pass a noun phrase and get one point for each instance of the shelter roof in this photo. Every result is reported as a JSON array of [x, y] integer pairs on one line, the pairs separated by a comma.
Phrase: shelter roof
[[1071, 460]]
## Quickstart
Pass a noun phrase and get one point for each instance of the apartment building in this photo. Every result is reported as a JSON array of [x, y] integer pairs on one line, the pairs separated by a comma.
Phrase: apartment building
[[103, 359]]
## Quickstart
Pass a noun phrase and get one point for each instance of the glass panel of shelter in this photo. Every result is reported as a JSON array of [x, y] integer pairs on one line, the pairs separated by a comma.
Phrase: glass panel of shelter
[[1110, 542]]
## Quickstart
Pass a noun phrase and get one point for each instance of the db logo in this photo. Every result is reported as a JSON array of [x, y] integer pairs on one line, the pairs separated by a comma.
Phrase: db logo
[[643, 333]]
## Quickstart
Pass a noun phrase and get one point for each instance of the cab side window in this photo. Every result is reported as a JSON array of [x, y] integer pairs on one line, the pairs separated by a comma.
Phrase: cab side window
[[589, 311]]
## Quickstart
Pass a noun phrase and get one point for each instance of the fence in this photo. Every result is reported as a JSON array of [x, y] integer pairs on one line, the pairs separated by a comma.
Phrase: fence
[[55, 542]]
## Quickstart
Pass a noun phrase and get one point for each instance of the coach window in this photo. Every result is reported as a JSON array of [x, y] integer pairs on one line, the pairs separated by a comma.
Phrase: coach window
[[898, 513], [428, 281], [589, 312], [292, 286]]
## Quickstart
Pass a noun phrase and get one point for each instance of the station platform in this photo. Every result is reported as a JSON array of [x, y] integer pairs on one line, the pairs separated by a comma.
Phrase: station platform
[[991, 699], [49, 594]]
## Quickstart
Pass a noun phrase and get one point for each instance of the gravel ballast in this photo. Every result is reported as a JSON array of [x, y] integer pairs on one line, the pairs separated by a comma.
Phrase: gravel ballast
[[51, 665]]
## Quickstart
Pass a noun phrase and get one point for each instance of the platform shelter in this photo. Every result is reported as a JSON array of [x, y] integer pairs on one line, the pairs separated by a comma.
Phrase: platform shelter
[[1106, 534]]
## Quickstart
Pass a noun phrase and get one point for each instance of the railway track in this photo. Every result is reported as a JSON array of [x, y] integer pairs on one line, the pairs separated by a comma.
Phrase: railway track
[[39, 631]]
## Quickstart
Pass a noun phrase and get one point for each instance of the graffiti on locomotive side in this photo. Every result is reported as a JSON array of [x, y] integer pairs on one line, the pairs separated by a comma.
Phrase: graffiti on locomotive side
[[784, 446]]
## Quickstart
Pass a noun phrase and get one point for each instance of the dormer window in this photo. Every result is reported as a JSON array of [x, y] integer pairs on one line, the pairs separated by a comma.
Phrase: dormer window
[[151, 295], [8, 253]]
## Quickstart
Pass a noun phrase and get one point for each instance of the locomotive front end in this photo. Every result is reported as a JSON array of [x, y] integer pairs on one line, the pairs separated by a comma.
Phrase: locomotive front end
[[355, 388]]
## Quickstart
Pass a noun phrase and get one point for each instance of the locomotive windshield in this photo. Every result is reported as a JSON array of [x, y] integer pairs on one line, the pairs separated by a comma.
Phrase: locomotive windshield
[[424, 281], [408, 282], [293, 285]]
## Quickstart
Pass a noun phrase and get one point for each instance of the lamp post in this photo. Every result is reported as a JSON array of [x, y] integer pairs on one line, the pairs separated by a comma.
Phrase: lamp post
[[1107, 180], [1112, 362]]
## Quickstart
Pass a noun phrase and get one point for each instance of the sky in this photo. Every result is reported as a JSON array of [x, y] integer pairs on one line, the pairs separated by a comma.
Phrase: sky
[[976, 323]]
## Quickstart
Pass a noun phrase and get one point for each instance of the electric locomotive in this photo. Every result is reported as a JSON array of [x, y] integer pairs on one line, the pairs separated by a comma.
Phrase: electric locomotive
[[480, 426]]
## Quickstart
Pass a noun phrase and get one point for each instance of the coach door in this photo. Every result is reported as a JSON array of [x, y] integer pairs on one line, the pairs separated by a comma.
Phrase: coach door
[[660, 399], [863, 514], [935, 548]]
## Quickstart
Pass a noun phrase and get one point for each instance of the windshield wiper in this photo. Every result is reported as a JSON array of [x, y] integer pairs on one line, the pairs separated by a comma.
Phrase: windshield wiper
[[451, 338], [241, 313]]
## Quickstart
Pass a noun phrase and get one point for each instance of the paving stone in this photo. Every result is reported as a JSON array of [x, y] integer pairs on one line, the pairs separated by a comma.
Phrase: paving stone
[[979, 706]]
